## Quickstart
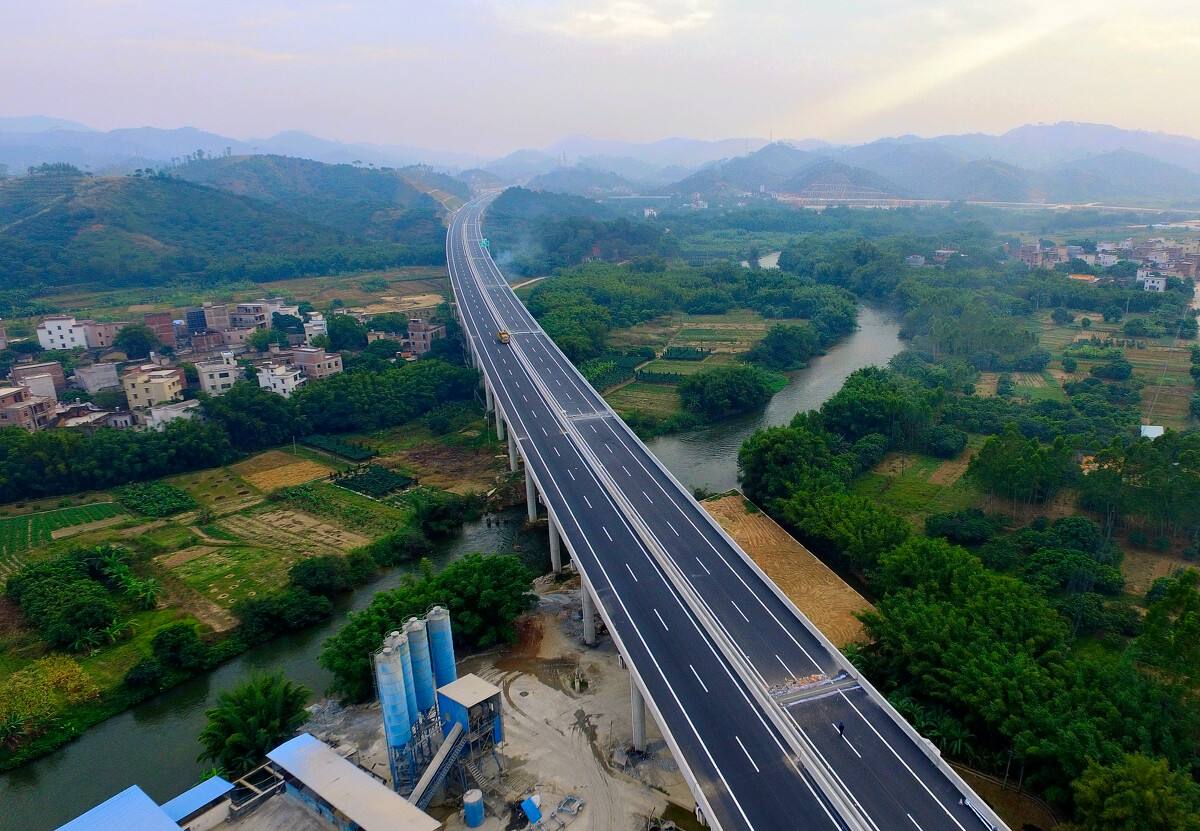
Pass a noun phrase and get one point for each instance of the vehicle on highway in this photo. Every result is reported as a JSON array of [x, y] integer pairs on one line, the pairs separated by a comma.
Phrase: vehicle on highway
[[503, 337]]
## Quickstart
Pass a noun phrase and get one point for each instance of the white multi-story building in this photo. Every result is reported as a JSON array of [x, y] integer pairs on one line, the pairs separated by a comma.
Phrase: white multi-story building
[[315, 325], [160, 415], [61, 332], [280, 378], [1155, 282], [216, 377]]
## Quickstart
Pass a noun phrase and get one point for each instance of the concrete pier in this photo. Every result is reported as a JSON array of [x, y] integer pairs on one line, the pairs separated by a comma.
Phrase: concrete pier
[[530, 497], [512, 452], [638, 703], [499, 425], [589, 617], [555, 545]]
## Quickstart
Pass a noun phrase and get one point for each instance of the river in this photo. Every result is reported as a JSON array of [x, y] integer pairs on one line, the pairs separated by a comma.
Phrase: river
[[154, 744], [707, 457]]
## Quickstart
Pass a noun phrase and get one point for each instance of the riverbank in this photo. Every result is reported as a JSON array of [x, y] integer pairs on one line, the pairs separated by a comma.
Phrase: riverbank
[[706, 457], [155, 740]]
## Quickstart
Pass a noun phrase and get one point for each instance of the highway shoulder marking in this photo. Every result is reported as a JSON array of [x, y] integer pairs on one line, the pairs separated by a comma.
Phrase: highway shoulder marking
[[660, 620], [747, 752]]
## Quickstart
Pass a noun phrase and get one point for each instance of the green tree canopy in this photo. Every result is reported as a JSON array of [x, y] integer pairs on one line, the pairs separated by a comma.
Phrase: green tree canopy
[[250, 720]]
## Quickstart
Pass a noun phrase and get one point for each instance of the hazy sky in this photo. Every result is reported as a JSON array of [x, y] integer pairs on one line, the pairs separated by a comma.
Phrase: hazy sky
[[488, 76]]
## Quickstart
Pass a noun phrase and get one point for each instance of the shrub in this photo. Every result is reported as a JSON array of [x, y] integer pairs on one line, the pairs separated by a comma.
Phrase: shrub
[[1069, 364], [399, 546], [946, 441], [263, 618], [1116, 370], [970, 527], [179, 647], [339, 447], [326, 575], [145, 674]]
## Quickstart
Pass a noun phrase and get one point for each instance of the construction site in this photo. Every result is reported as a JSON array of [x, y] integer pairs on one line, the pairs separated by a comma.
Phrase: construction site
[[536, 735]]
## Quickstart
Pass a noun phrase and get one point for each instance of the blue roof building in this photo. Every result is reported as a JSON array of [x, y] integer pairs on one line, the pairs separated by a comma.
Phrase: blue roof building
[[131, 808], [197, 799]]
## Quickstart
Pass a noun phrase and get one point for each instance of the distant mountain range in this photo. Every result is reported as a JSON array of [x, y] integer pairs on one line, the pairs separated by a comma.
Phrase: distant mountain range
[[1064, 162]]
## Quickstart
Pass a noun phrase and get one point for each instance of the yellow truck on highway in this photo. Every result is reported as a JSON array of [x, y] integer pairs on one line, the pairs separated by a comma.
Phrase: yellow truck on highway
[[503, 337]]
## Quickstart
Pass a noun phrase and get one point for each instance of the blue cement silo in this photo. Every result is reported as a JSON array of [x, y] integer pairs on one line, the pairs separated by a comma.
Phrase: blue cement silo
[[441, 645], [410, 687], [422, 666], [389, 676], [473, 808]]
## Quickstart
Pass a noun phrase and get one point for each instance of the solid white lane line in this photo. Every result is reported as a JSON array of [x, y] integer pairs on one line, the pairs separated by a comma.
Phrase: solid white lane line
[[847, 741], [740, 612], [660, 620], [605, 530], [631, 574], [703, 686], [703, 566], [747, 752]]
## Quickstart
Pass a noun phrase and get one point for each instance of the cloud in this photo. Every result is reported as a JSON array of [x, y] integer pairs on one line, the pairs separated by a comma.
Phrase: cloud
[[616, 19], [960, 47]]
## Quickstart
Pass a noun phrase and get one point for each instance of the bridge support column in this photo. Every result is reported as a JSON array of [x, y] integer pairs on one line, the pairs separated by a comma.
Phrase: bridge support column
[[589, 616], [530, 496], [555, 544], [638, 704], [512, 452], [487, 393]]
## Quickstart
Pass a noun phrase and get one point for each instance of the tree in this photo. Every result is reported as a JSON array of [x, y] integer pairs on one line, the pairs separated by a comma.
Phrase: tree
[[1069, 364], [1194, 406], [1024, 470], [774, 463], [262, 339], [785, 347], [390, 322], [483, 593], [1061, 316], [1136, 793], [1113, 314], [326, 576], [254, 418], [250, 720], [1086, 323], [725, 391], [136, 340], [179, 647], [345, 333], [841, 525]]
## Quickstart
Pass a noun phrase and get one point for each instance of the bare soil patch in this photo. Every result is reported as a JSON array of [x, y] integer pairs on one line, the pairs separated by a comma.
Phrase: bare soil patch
[[827, 600], [985, 387], [951, 470], [453, 469], [292, 531], [1142, 567], [72, 530], [184, 555], [295, 473]]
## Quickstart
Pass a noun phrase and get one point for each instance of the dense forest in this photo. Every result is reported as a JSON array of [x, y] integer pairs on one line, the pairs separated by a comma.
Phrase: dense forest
[[60, 226]]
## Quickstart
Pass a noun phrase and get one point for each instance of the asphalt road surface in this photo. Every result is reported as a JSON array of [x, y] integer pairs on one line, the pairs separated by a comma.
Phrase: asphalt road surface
[[603, 487]]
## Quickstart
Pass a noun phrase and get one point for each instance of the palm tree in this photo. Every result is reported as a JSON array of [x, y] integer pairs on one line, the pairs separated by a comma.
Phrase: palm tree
[[146, 592], [250, 720]]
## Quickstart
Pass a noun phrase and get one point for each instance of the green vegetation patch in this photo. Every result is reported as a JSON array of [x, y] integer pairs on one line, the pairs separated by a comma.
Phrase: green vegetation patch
[[374, 481], [20, 533], [229, 574], [353, 451], [652, 399], [156, 499], [343, 507]]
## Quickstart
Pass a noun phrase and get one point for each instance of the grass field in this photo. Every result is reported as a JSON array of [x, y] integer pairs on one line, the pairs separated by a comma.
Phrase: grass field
[[678, 367], [915, 485], [18, 534], [652, 399], [735, 331]]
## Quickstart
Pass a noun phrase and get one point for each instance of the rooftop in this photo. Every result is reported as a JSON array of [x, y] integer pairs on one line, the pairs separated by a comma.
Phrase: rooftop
[[469, 690], [191, 801], [352, 791], [131, 808]]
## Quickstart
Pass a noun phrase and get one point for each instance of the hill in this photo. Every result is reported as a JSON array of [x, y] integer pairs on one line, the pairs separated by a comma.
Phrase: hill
[[582, 181], [377, 204], [766, 169], [60, 226], [828, 179]]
